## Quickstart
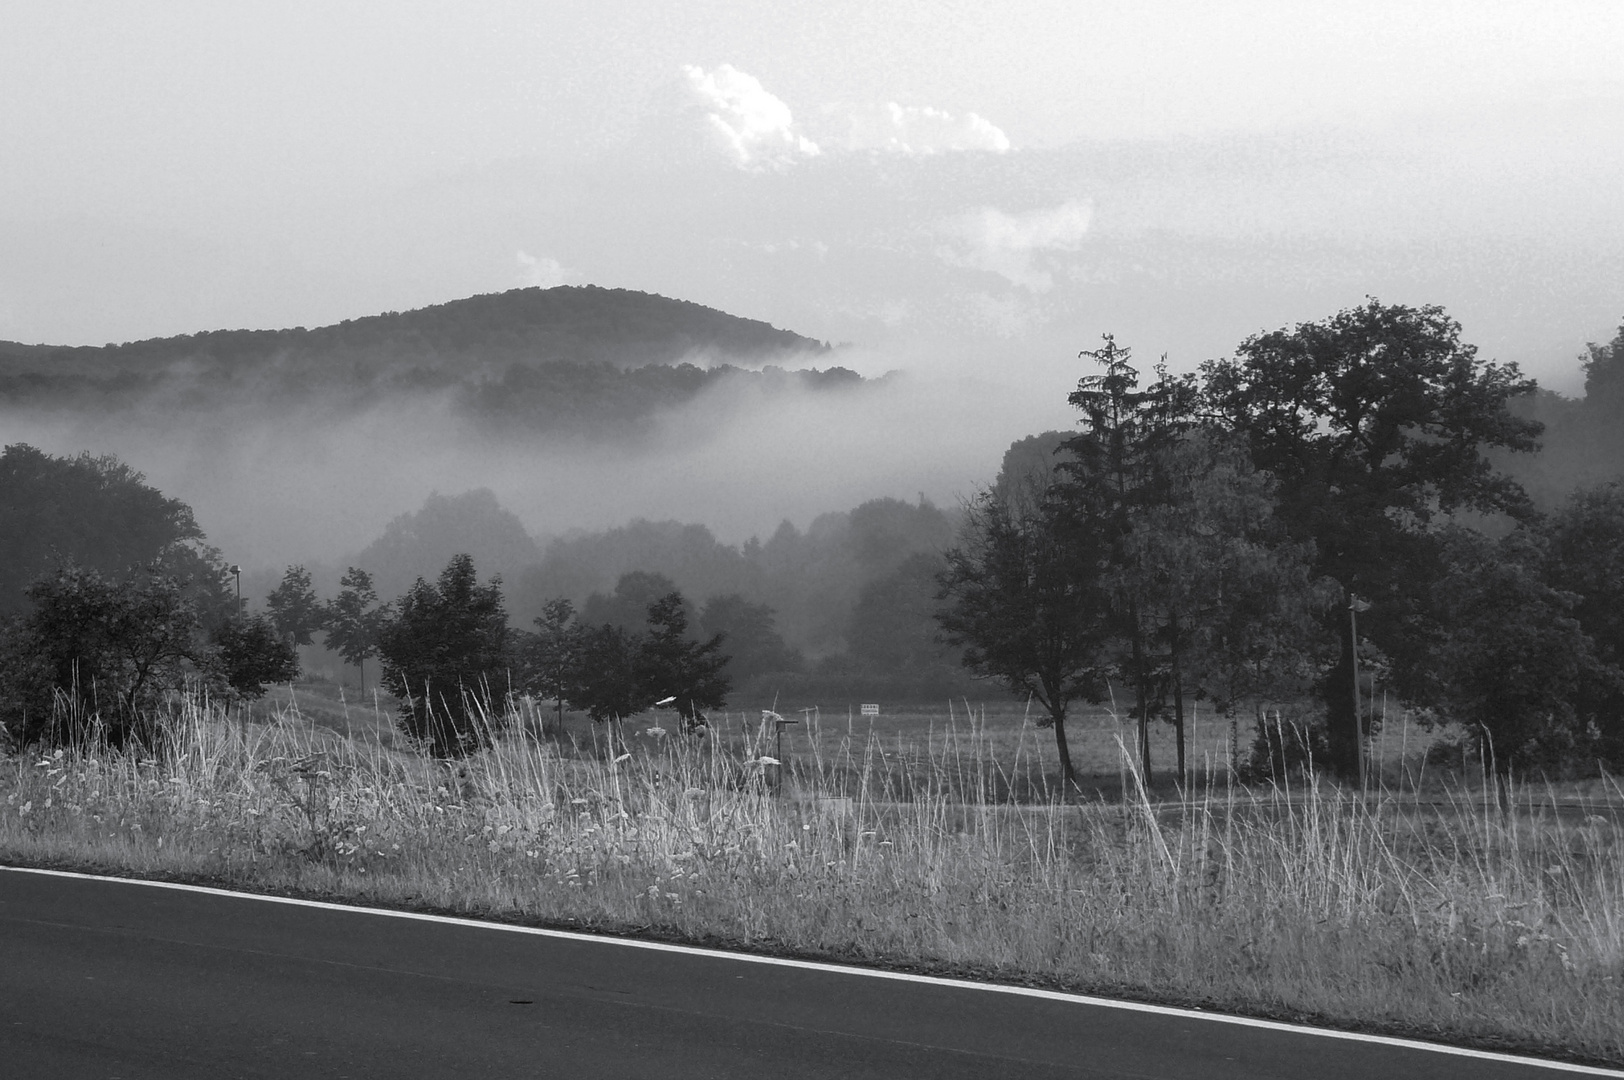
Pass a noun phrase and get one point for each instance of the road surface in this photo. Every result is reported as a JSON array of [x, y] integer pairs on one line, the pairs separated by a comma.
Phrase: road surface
[[111, 979]]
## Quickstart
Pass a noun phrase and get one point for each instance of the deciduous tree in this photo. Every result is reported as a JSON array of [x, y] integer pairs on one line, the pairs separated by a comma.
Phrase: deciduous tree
[[355, 620], [295, 610], [1227, 600], [446, 658], [99, 514], [620, 673], [101, 651], [1586, 560], [605, 680], [1021, 597], [553, 653], [671, 664], [252, 654], [1516, 664], [1374, 423], [753, 641]]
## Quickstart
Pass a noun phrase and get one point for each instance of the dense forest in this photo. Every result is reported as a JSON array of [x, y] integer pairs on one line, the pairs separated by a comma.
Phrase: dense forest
[[569, 358], [852, 584]]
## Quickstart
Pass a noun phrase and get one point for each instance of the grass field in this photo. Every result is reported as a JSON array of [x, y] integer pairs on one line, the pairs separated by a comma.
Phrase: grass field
[[1457, 921]]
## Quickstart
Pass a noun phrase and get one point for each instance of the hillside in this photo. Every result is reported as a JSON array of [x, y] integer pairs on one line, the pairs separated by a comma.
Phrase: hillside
[[541, 358]]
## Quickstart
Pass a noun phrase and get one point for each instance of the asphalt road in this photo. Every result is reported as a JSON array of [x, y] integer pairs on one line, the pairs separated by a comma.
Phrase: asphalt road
[[110, 979]]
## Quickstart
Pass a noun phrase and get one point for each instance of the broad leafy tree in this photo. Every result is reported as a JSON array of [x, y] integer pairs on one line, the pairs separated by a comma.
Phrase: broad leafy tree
[[605, 681], [620, 673], [1518, 668], [355, 620], [95, 650], [251, 654], [99, 514], [1586, 559], [294, 608], [753, 641], [1021, 599], [446, 658], [1226, 601], [1374, 423], [552, 653], [893, 625], [627, 607]]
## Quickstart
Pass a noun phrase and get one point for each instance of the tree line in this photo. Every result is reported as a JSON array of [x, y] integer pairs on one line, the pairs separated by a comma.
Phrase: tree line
[[1315, 510], [450, 657], [850, 594], [100, 656]]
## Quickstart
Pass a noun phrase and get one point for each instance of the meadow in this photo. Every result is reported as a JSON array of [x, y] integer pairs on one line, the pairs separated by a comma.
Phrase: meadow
[[1420, 907]]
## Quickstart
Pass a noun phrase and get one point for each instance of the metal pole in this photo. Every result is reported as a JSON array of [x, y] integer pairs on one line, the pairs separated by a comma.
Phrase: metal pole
[[779, 724], [1354, 606], [236, 572]]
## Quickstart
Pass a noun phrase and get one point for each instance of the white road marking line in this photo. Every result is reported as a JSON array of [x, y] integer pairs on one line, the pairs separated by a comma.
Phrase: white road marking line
[[841, 969]]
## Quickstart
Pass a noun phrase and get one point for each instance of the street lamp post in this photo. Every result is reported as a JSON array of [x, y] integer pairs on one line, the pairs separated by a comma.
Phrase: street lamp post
[[236, 572]]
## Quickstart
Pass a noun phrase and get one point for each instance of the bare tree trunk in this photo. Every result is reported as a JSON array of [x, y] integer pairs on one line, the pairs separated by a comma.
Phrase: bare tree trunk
[[1068, 775], [1341, 714], [1178, 724]]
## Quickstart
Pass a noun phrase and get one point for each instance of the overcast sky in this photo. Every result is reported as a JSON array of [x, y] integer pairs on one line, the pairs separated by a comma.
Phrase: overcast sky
[[978, 188]]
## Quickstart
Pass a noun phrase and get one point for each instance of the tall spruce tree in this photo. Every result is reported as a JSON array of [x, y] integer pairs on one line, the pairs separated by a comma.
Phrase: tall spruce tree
[[1115, 468]]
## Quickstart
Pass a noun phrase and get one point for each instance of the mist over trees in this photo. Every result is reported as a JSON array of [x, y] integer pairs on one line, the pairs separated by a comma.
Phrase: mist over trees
[[811, 579], [420, 543], [1338, 497], [1583, 440]]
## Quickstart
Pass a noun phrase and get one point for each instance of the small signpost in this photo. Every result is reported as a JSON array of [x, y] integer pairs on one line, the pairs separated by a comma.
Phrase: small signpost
[[871, 710], [779, 724]]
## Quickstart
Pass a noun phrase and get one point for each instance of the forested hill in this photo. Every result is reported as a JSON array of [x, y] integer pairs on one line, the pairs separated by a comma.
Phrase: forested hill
[[540, 356]]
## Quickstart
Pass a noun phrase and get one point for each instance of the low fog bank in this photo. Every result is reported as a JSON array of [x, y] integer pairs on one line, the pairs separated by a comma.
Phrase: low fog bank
[[275, 487]]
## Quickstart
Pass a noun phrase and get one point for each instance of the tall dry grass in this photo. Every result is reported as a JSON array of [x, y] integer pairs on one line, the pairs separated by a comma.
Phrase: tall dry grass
[[1466, 922]]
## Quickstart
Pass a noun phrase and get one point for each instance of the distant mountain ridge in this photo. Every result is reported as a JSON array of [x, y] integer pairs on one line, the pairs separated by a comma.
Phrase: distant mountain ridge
[[536, 358], [583, 323]]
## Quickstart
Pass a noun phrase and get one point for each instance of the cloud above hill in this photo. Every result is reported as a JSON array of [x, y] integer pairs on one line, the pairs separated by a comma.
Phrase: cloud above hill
[[1008, 244], [910, 129], [754, 128]]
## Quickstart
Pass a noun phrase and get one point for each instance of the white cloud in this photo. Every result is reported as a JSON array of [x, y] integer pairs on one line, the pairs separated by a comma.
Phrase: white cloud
[[922, 130], [753, 127], [543, 272], [1009, 244]]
